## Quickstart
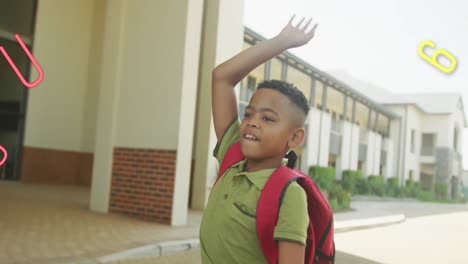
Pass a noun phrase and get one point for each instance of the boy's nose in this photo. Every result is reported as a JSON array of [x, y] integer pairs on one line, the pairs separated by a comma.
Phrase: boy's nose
[[252, 123]]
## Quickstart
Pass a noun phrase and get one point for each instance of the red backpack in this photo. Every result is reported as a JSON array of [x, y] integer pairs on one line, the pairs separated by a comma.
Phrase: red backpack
[[320, 246]]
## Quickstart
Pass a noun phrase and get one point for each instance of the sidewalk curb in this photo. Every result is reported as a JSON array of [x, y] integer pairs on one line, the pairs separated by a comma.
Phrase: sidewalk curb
[[176, 246], [356, 224], [153, 250]]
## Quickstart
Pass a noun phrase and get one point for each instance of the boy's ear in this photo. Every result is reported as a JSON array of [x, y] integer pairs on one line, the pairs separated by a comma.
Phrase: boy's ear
[[296, 138]]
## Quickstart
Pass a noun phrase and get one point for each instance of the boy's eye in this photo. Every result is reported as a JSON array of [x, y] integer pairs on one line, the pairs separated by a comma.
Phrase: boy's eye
[[267, 119], [246, 114]]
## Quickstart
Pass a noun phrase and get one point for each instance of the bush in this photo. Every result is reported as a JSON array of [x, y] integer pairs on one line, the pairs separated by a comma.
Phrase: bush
[[340, 196], [376, 184], [411, 189], [426, 196], [324, 177], [392, 188], [350, 180], [361, 184], [441, 191], [334, 204]]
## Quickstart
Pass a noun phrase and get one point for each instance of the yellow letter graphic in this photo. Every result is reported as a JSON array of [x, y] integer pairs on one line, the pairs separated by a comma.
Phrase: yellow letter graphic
[[433, 60]]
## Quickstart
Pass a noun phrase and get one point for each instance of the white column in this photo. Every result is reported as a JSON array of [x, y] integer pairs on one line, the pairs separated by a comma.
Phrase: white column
[[187, 111], [346, 144], [111, 73], [223, 36], [369, 164], [354, 147], [377, 153], [388, 169], [324, 139], [313, 134]]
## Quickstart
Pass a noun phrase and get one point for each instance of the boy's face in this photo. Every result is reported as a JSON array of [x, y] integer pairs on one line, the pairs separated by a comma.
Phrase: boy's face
[[267, 129]]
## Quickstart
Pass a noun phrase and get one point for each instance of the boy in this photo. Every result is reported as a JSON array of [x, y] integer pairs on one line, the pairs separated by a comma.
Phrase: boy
[[273, 124]]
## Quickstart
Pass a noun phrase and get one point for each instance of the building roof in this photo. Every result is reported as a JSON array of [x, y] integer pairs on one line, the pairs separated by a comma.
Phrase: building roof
[[429, 103], [328, 79]]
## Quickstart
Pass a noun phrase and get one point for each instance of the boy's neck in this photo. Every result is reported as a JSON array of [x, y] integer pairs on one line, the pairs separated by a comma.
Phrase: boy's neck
[[256, 165]]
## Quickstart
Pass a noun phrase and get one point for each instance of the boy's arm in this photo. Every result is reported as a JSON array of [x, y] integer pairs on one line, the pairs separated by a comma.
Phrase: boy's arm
[[290, 253], [228, 74]]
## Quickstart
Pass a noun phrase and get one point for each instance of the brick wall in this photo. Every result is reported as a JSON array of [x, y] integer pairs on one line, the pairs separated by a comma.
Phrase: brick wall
[[143, 183]]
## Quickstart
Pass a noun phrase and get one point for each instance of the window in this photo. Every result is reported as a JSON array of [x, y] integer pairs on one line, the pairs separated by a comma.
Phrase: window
[[332, 161], [335, 100], [428, 144], [276, 67], [372, 115], [362, 115], [300, 79], [360, 165], [349, 111], [246, 92], [318, 94], [383, 124], [249, 84], [413, 141]]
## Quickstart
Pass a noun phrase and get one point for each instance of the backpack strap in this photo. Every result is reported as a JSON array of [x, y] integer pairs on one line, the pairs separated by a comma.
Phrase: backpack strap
[[232, 156], [268, 207]]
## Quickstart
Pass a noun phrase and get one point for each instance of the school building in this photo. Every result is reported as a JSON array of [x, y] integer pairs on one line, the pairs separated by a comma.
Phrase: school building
[[125, 105]]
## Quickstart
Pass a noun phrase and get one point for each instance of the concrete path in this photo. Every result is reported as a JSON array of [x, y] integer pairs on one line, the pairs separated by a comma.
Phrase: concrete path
[[430, 239], [52, 224]]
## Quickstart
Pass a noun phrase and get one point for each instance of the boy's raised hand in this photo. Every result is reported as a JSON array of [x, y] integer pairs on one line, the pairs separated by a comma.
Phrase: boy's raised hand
[[226, 75], [296, 36]]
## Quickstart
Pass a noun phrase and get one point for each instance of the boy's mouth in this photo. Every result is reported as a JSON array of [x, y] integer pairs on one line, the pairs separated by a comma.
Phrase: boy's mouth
[[251, 137]]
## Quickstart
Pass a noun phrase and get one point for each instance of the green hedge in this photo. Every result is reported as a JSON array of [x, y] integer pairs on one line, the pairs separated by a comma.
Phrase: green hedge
[[354, 182], [441, 190], [426, 196], [411, 189], [324, 177], [339, 198], [376, 184], [392, 188]]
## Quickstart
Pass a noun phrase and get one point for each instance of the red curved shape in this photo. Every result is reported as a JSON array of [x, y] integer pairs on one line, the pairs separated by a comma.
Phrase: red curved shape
[[33, 60], [5, 155]]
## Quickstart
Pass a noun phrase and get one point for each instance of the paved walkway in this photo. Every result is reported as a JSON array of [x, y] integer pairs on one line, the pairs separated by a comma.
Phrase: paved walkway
[[52, 224], [193, 257]]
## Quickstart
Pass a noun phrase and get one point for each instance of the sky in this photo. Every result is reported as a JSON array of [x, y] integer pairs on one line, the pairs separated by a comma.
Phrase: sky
[[377, 41]]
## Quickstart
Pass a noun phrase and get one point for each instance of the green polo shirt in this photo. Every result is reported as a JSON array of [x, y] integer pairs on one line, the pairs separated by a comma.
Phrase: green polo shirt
[[228, 232]]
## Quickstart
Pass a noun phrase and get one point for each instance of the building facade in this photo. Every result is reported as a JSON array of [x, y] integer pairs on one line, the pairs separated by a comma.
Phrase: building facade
[[125, 105]]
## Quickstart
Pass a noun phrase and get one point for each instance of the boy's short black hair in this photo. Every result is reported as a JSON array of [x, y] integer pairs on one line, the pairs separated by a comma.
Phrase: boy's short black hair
[[288, 89]]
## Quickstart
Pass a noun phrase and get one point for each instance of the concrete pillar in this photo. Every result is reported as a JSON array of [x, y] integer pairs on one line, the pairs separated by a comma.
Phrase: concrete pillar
[[388, 169], [354, 147], [324, 148], [313, 137], [377, 153], [223, 35], [346, 143], [147, 109], [111, 73]]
